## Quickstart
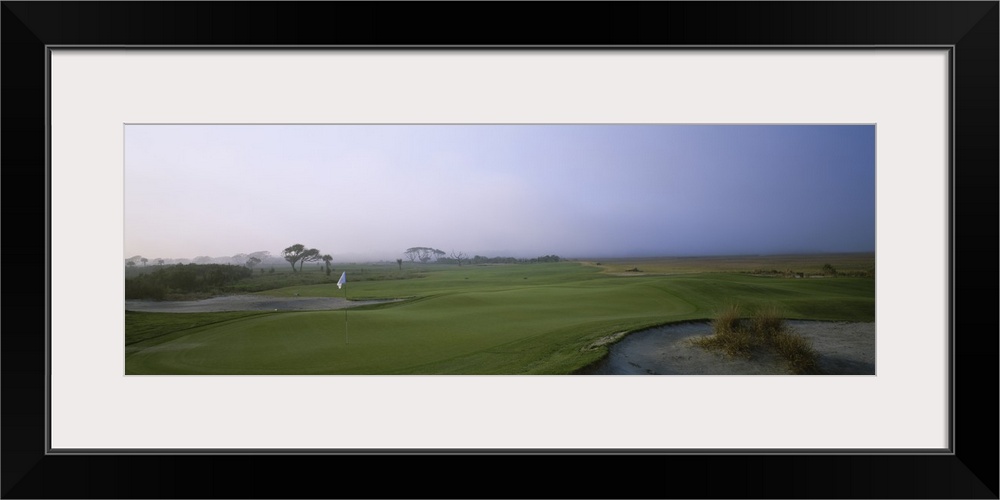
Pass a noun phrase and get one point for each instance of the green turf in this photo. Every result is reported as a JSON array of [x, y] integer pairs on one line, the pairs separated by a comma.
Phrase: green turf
[[142, 329], [497, 319]]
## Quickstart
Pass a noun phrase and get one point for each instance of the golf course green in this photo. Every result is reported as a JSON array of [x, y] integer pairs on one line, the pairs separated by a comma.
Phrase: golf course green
[[539, 318]]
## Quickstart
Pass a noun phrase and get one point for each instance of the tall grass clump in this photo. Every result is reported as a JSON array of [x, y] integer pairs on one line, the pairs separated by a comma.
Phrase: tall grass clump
[[740, 336], [731, 334]]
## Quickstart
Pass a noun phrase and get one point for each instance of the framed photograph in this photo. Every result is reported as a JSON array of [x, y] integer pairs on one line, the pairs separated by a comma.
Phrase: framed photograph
[[575, 190]]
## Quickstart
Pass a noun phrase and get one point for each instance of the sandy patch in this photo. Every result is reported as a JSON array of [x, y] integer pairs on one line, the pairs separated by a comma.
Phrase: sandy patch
[[844, 349], [247, 303]]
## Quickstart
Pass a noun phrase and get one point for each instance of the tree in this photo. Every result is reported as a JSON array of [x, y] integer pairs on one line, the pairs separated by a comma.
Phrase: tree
[[411, 253], [293, 254], [130, 263], [263, 255], [310, 255], [400, 263], [144, 261], [159, 262], [458, 256], [424, 254], [299, 253], [326, 260], [252, 261]]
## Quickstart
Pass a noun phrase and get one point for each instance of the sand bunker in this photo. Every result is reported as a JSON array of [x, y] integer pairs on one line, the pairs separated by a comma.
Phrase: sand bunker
[[844, 349], [247, 303]]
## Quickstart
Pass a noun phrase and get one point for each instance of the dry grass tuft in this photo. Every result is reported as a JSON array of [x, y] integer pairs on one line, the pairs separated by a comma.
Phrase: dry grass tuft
[[765, 329]]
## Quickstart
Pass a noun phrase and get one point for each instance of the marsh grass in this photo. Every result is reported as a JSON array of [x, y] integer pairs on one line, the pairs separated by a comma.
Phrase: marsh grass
[[740, 336], [858, 265]]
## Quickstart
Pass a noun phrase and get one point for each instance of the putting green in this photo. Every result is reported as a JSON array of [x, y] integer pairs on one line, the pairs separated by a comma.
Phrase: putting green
[[503, 319]]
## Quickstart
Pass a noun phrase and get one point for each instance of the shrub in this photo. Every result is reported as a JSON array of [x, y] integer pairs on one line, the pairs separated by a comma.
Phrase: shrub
[[797, 352], [765, 329], [767, 322], [143, 288], [729, 320], [192, 278]]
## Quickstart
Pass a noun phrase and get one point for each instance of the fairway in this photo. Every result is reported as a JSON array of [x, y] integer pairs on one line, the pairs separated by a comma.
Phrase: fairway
[[540, 318]]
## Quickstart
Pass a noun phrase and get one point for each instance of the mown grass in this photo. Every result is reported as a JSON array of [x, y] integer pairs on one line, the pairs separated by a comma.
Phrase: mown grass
[[495, 319], [741, 336], [143, 326]]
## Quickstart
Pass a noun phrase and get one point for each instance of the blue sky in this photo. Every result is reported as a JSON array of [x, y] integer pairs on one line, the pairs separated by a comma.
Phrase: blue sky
[[371, 191]]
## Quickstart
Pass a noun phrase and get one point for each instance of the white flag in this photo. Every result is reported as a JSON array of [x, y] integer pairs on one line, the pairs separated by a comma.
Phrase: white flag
[[343, 279]]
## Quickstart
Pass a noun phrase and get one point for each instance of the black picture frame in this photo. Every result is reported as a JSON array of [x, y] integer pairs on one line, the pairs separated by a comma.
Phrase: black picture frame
[[969, 28]]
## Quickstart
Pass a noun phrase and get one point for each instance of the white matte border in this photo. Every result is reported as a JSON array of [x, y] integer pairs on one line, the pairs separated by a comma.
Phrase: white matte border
[[95, 92]]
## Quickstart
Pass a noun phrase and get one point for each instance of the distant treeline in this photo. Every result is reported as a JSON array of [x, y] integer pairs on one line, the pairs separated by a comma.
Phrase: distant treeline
[[183, 279], [479, 259]]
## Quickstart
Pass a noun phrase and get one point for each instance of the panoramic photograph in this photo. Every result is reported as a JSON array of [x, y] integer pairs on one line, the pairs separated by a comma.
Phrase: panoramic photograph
[[489, 249]]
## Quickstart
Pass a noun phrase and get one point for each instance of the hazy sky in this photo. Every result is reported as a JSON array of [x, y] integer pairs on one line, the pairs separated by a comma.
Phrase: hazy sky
[[372, 191]]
